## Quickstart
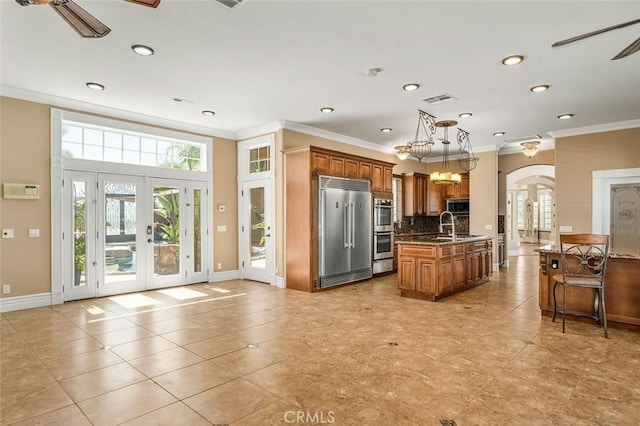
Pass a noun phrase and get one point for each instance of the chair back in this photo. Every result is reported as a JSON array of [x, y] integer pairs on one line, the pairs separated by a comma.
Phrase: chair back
[[584, 255]]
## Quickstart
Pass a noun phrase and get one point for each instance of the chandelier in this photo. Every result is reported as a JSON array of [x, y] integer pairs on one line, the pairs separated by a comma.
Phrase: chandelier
[[420, 147], [530, 148]]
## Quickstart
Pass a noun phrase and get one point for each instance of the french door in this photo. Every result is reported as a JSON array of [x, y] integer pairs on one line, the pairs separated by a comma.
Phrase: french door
[[256, 230], [128, 233]]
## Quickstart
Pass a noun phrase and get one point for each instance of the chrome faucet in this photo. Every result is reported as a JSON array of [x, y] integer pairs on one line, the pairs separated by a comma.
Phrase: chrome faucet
[[452, 224]]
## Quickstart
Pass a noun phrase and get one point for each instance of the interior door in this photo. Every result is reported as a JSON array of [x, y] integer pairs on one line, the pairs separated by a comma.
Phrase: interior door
[[258, 251]]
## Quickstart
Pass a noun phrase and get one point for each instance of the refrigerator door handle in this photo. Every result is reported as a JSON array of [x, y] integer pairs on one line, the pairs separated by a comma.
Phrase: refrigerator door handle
[[345, 229], [353, 226]]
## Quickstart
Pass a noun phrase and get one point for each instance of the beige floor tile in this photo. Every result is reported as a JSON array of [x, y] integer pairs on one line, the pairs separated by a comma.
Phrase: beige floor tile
[[175, 414], [67, 416], [188, 335], [231, 401], [196, 378], [166, 361], [142, 347], [22, 379], [125, 404], [123, 336], [107, 325], [66, 349], [61, 368], [169, 325], [103, 380], [216, 346], [246, 360], [32, 402]]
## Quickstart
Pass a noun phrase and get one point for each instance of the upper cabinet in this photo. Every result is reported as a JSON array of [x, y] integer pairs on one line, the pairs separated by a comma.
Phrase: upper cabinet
[[332, 163], [435, 200], [414, 191], [458, 191]]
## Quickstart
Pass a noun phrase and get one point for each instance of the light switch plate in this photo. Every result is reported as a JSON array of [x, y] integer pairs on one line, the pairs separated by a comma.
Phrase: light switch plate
[[221, 228], [566, 229], [34, 233], [488, 227]]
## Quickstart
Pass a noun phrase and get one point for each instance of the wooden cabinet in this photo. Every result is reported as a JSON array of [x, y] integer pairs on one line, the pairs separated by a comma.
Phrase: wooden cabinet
[[435, 201], [502, 250], [414, 192], [303, 166], [433, 271], [458, 191]]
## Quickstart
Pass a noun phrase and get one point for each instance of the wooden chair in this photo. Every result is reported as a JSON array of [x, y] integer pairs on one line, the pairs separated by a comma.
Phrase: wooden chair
[[584, 264]]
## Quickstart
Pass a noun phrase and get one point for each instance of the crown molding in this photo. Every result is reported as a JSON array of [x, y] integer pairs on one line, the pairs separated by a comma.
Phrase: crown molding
[[272, 127], [598, 128], [314, 131], [66, 103]]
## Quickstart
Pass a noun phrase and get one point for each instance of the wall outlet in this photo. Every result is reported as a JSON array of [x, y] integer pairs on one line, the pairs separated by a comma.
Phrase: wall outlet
[[6, 288], [219, 266]]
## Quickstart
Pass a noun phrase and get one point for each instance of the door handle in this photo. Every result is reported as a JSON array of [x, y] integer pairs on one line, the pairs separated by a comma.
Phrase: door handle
[[149, 240], [267, 235]]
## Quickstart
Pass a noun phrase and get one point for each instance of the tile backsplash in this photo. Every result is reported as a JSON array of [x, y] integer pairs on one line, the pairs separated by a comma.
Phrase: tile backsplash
[[429, 224]]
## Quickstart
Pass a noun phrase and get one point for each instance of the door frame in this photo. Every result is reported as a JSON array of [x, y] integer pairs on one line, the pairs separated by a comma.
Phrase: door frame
[[268, 177], [60, 164]]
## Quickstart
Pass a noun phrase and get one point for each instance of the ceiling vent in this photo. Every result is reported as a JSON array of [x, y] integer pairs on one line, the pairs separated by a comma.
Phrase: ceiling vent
[[523, 139], [230, 3], [440, 99]]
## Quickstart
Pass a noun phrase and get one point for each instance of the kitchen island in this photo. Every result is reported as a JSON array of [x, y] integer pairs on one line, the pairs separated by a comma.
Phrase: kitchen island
[[622, 287], [435, 267]]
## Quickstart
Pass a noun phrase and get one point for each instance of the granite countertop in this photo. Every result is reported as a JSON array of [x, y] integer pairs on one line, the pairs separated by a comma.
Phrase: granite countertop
[[551, 249], [433, 239]]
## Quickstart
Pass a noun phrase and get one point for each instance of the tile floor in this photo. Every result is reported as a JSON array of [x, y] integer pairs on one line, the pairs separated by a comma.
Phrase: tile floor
[[244, 353]]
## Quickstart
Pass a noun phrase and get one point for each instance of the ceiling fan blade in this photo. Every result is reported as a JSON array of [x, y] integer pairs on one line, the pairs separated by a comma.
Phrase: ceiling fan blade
[[629, 50], [80, 20], [148, 3], [603, 30]]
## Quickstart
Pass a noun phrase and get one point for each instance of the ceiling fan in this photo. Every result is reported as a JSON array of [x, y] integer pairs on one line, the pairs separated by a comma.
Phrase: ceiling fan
[[80, 20], [632, 48]]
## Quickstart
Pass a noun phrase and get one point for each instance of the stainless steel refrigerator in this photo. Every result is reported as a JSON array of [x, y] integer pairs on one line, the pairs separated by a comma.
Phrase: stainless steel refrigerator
[[345, 230]]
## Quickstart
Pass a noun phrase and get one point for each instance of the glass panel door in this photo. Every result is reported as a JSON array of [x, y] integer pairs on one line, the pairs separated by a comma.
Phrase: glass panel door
[[196, 233], [121, 234], [258, 251], [79, 195]]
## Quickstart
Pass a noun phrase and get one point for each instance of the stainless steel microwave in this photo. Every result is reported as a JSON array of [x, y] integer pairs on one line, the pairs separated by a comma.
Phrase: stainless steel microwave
[[460, 206]]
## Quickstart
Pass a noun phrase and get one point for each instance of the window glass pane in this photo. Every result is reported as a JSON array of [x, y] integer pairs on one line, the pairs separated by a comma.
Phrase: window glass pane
[[113, 140], [92, 152], [148, 145], [131, 142], [253, 154], [164, 148], [197, 230], [131, 157], [93, 137], [147, 159], [113, 155], [71, 133], [79, 233], [71, 150]]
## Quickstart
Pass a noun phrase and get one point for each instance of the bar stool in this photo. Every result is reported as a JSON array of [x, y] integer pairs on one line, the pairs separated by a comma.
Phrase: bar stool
[[584, 264]]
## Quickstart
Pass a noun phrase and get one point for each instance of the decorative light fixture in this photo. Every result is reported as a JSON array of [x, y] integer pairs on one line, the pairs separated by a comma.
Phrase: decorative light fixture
[[326, 110], [512, 60], [530, 148], [420, 147], [95, 86], [142, 50]]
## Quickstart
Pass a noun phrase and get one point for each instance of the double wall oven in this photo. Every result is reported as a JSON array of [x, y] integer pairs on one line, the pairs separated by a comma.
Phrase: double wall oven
[[382, 236]]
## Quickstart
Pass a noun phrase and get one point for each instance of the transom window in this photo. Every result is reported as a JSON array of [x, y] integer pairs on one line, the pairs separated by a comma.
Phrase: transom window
[[260, 159], [95, 143]]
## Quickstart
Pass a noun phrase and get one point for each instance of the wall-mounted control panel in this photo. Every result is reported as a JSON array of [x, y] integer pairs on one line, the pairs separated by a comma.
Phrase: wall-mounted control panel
[[21, 191]]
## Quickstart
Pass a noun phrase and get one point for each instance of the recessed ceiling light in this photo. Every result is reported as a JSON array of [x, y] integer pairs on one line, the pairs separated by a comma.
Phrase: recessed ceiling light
[[512, 60], [386, 130], [410, 87], [565, 116], [539, 88], [95, 86], [142, 50], [499, 134], [208, 113], [326, 110], [465, 115]]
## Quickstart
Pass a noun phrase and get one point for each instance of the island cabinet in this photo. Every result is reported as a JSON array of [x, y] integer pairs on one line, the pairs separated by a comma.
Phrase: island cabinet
[[303, 166], [432, 270]]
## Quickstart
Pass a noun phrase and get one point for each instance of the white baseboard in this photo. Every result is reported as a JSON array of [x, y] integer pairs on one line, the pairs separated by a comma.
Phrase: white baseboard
[[224, 276], [10, 304], [281, 282]]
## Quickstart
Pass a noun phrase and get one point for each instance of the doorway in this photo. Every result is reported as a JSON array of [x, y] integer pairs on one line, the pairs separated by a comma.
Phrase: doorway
[[125, 233]]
